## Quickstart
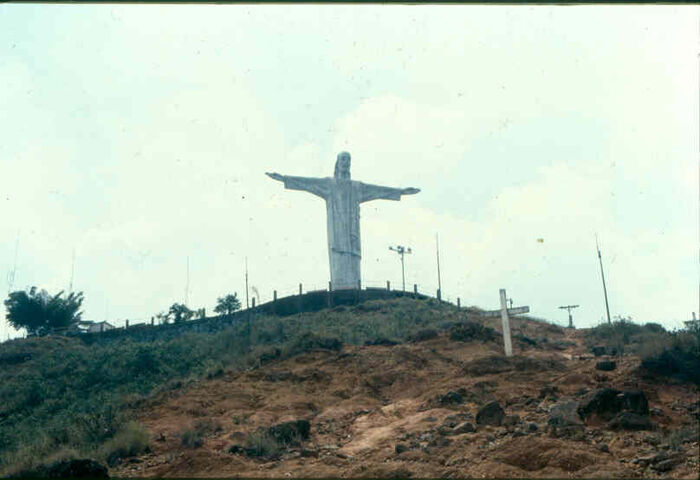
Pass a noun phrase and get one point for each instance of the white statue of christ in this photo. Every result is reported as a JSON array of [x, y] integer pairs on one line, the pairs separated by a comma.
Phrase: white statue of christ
[[343, 197]]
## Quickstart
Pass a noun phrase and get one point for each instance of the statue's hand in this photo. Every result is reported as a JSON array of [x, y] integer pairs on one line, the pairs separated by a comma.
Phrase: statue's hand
[[410, 191], [275, 176]]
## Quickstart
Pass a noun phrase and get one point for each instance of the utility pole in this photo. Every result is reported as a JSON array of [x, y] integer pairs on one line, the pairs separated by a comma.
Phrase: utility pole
[[13, 272], [401, 250], [602, 276], [72, 272], [246, 282], [569, 308], [437, 253], [187, 282]]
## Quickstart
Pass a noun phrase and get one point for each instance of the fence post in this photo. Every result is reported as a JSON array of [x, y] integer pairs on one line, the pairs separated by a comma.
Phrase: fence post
[[127, 324], [152, 321], [359, 290], [439, 295], [300, 289], [458, 305], [253, 304], [388, 285], [329, 298], [415, 290], [274, 295]]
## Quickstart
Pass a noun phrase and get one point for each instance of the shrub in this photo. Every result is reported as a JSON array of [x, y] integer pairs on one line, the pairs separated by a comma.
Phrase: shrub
[[470, 331], [190, 438], [130, 441], [309, 342], [261, 444], [423, 335]]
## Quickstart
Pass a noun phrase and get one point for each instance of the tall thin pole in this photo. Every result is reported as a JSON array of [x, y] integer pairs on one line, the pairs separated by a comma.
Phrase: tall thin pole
[[602, 276], [437, 252], [72, 272], [403, 276], [12, 274], [187, 282], [246, 282]]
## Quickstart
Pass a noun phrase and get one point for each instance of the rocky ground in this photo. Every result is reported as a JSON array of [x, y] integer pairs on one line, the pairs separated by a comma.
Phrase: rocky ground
[[433, 408]]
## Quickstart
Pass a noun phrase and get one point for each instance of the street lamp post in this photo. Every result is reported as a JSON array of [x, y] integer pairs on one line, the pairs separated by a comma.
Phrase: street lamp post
[[401, 250]]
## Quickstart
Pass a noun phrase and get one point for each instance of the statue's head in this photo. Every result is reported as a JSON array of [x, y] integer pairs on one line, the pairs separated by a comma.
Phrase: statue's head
[[342, 166]]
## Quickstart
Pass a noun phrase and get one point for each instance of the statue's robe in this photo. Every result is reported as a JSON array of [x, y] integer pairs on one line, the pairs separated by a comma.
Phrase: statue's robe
[[343, 198]]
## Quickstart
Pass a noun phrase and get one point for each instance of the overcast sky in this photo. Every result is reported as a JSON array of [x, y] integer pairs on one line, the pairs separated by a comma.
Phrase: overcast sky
[[138, 137]]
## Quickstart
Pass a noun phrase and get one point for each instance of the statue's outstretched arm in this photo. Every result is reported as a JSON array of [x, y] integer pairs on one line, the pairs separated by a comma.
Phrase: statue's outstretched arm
[[317, 186], [376, 192], [275, 176]]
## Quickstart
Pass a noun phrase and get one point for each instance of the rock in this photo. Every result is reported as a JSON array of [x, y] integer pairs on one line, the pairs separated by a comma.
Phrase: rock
[[490, 414], [309, 452], [532, 427], [400, 448], [236, 449], [465, 427], [451, 398], [606, 403], [666, 465], [290, 432], [549, 391], [564, 414], [630, 421], [606, 365], [598, 350], [656, 411], [452, 421], [511, 420], [603, 447]]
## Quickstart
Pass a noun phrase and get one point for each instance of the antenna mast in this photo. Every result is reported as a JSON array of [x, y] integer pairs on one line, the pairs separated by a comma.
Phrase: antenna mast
[[437, 252], [187, 283], [13, 272], [246, 282], [72, 272], [602, 276]]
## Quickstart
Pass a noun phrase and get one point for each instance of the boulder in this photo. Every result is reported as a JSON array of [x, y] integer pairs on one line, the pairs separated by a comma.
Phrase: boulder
[[490, 414], [630, 421], [564, 420], [451, 398], [466, 427], [400, 448], [564, 413], [290, 432], [598, 350], [511, 420], [606, 403], [606, 365]]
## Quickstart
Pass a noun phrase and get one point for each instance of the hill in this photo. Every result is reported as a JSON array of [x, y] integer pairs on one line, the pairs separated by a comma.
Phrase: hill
[[383, 389]]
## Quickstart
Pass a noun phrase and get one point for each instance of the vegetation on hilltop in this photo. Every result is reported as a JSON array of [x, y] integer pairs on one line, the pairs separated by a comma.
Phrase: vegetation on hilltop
[[59, 393]]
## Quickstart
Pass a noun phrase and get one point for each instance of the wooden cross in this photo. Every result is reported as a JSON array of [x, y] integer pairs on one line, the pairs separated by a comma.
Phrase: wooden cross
[[504, 312]]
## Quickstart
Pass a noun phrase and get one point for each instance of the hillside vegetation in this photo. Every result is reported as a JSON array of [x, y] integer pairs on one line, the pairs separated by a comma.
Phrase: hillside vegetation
[[216, 399]]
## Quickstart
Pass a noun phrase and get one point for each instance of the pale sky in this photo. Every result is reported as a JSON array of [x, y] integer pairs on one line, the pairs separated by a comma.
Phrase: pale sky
[[138, 137]]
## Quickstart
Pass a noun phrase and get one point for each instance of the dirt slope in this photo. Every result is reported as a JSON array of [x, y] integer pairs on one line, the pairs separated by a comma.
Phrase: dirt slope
[[364, 401]]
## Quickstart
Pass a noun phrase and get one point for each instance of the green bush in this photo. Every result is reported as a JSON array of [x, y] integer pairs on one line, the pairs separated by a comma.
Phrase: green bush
[[129, 441], [261, 444]]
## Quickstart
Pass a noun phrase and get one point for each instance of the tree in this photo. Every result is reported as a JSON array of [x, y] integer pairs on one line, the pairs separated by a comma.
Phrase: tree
[[41, 313], [179, 312], [227, 304]]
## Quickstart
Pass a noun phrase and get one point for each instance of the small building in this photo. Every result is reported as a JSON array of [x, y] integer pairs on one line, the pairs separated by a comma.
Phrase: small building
[[89, 326]]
